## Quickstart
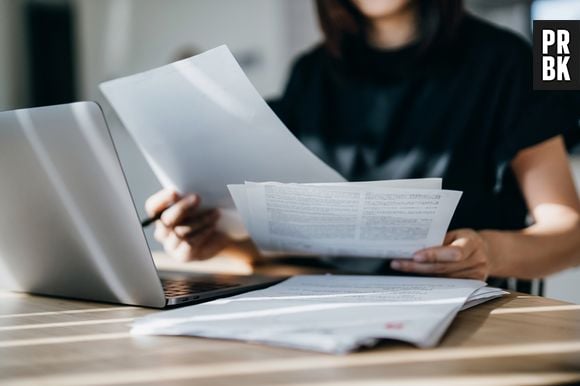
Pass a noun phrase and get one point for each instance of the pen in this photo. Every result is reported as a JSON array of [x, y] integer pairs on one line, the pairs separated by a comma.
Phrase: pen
[[148, 221]]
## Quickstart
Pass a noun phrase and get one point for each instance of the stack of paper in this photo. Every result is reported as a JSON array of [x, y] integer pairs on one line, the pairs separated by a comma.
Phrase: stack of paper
[[482, 295], [368, 219], [332, 314]]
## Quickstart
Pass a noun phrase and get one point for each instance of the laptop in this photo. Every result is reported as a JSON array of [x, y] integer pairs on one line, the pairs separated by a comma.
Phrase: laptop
[[69, 224]]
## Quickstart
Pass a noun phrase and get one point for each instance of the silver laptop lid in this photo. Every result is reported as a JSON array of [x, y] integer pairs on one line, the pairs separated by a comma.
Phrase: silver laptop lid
[[69, 226]]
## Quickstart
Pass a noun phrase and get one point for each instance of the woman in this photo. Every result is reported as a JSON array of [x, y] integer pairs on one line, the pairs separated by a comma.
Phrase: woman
[[418, 88]]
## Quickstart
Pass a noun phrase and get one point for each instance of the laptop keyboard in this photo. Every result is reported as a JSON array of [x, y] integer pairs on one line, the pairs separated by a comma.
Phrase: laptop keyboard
[[176, 287]]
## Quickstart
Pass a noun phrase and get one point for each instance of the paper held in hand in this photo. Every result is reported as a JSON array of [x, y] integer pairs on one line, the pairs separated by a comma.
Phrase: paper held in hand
[[382, 219], [201, 125]]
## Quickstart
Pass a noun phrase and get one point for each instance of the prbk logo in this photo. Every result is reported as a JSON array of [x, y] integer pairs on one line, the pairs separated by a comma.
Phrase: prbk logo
[[556, 54]]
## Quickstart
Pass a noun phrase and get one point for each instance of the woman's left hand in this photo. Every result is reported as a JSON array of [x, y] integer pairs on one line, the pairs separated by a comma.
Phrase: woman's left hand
[[464, 254]]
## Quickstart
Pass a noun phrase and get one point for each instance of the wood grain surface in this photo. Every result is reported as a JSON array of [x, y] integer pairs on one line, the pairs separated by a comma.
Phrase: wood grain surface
[[516, 340]]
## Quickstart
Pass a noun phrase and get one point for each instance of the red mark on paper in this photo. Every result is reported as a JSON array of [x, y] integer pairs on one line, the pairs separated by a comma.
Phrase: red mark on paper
[[394, 326]]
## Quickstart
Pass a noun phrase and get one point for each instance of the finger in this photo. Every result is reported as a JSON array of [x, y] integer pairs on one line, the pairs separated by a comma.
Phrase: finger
[[160, 201], [183, 252], [472, 273], [459, 245], [411, 266], [197, 224], [468, 245], [428, 268], [179, 211], [451, 236], [171, 242], [161, 232], [447, 254]]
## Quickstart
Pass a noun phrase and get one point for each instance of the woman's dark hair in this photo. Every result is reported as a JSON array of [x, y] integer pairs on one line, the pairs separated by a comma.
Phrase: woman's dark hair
[[340, 19]]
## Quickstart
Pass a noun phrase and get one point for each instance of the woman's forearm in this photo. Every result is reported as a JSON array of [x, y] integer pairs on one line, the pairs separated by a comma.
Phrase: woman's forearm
[[553, 242], [536, 251]]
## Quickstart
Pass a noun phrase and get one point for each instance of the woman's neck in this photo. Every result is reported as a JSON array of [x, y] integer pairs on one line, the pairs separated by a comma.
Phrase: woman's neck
[[394, 31]]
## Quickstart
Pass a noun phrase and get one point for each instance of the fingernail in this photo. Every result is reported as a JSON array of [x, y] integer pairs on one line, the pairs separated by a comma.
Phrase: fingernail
[[395, 264], [420, 256]]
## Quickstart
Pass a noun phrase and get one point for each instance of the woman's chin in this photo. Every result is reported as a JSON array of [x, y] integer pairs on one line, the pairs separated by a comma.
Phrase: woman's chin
[[381, 9]]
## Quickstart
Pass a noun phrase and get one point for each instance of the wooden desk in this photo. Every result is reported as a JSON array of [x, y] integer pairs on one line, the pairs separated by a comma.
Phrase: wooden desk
[[515, 340]]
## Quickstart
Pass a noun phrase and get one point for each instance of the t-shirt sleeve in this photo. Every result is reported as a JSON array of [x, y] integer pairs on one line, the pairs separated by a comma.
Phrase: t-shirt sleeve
[[527, 117]]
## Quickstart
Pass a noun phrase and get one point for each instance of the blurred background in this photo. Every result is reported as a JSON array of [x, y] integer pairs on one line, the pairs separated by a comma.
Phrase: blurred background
[[58, 51]]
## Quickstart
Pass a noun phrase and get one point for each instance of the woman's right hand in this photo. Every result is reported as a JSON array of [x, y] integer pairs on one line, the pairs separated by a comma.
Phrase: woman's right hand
[[186, 231]]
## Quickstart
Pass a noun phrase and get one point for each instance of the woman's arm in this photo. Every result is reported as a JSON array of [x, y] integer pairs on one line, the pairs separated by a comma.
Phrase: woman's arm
[[551, 244]]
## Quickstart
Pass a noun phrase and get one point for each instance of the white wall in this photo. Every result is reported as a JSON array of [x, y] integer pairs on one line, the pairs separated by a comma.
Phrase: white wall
[[119, 37], [301, 30]]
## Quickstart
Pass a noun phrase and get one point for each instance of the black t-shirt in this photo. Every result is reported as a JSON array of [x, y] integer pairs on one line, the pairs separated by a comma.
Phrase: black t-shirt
[[461, 111]]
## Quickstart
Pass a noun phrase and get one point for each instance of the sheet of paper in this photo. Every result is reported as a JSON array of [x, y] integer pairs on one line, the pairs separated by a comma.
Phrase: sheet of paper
[[238, 191], [346, 219], [483, 295], [415, 183], [333, 314], [202, 125]]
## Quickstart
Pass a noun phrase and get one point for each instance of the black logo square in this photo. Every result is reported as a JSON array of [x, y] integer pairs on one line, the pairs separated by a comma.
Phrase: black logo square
[[556, 54]]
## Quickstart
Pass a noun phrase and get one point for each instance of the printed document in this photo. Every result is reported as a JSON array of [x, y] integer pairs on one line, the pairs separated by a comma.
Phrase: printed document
[[383, 219], [327, 313]]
